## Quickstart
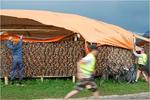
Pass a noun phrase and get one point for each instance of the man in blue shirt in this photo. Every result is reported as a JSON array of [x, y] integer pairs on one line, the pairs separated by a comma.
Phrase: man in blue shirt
[[17, 63]]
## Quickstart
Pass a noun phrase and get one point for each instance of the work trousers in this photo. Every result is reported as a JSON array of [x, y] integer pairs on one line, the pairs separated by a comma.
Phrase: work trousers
[[17, 65]]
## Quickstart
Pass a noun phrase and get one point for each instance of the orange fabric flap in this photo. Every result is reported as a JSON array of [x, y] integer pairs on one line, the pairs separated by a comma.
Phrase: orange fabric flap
[[16, 38]]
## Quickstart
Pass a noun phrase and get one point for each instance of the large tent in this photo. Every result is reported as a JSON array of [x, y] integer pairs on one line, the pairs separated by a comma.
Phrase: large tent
[[55, 26], [49, 50]]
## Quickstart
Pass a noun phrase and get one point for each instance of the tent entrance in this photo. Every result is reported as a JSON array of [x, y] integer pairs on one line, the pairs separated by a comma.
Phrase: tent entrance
[[32, 30]]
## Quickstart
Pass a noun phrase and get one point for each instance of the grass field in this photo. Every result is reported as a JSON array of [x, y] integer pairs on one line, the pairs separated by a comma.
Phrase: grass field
[[56, 88]]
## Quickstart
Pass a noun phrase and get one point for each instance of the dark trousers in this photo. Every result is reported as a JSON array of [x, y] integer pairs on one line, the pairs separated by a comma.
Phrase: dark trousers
[[17, 65]]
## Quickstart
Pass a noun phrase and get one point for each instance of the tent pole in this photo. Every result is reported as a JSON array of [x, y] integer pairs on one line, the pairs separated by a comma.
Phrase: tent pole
[[44, 30], [141, 37]]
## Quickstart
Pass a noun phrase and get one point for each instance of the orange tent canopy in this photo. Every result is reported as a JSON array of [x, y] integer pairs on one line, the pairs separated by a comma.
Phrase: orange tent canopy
[[91, 30]]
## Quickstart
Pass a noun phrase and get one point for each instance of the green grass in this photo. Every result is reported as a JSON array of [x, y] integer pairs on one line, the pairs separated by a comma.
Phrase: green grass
[[58, 88]]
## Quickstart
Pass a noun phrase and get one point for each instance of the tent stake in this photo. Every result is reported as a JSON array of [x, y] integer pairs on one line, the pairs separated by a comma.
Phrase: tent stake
[[73, 79]]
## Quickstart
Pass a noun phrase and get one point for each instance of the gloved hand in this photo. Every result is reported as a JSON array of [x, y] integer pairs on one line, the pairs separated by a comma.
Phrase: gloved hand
[[21, 36], [10, 38]]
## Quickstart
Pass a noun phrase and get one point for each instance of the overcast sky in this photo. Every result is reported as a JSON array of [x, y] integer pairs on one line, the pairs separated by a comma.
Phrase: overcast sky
[[132, 15]]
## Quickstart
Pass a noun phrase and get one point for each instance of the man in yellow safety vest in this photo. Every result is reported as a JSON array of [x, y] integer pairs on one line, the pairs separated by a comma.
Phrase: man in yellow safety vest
[[85, 72], [142, 61]]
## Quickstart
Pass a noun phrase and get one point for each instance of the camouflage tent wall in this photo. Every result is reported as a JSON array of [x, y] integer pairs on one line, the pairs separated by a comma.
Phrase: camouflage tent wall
[[59, 58]]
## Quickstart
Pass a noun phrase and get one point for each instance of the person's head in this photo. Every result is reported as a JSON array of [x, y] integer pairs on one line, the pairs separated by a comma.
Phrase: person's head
[[142, 51], [13, 41], [93, 49]]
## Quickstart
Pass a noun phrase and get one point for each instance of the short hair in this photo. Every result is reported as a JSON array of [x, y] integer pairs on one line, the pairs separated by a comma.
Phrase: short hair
[[142, 49], [92, 46]]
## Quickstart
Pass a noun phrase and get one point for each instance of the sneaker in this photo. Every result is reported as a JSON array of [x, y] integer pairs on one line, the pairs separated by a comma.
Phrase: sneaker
[[17, 84], [12, 83], [21, 84], [136, 81]]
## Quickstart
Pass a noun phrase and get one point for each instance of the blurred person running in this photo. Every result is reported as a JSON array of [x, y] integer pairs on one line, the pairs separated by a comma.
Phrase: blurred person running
[[85, 74]]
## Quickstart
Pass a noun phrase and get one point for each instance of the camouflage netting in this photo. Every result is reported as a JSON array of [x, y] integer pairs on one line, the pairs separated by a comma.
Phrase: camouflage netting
[[59, 58], [113, 59], [49, 59]]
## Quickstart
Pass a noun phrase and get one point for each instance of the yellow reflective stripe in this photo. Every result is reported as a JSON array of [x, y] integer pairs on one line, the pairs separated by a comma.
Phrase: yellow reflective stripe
[[85, 72], [87, 69], [142, 59]]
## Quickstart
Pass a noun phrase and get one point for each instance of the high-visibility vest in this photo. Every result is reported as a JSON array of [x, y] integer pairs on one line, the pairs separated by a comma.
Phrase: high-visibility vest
[[88, 69], [142, 59]]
